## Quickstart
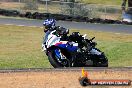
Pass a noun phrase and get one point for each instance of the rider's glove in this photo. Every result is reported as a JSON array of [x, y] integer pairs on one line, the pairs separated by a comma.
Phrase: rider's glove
[[45, 30]]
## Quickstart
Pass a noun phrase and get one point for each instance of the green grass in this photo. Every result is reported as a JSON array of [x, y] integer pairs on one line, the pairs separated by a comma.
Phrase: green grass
[[105, 2], [20, 47]]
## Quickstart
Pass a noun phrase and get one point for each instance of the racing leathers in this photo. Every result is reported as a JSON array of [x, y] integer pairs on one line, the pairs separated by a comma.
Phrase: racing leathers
[[59, 30]]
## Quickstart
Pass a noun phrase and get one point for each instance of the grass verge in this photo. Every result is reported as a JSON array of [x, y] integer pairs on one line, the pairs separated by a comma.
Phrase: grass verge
[[20, 47], [105, 2]]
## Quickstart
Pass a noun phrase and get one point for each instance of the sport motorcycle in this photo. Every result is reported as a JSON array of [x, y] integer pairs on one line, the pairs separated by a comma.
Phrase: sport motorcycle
[[73, 50]]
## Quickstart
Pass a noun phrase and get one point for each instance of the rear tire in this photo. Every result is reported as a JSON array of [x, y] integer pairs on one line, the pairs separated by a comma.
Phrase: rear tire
[[54, 62]]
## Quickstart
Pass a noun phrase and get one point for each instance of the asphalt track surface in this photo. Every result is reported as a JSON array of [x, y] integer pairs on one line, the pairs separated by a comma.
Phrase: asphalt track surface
[[72, 69], [116, 28]]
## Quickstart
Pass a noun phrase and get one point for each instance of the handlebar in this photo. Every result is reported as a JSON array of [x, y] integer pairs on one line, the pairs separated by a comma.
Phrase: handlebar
[[92, 39]]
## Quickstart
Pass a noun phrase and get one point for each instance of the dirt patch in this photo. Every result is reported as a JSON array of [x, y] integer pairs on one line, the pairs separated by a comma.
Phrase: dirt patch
[[57, 79]]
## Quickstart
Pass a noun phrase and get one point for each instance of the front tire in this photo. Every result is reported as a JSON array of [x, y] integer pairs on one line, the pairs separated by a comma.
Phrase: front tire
[[99, 60]]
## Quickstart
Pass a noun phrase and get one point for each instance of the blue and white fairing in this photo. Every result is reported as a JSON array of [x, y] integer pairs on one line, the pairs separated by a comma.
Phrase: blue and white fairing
[[72, 47], [54, 40], [64, 45]]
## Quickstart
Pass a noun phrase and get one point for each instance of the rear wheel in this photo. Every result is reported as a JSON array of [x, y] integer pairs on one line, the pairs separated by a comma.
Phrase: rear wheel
[[55, 62]]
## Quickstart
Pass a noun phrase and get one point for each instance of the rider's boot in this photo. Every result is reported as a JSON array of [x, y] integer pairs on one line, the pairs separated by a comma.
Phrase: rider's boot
[[43, 47]]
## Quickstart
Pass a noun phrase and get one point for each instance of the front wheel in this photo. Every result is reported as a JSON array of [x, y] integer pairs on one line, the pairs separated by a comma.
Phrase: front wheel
[[55, 61], [99, 59]]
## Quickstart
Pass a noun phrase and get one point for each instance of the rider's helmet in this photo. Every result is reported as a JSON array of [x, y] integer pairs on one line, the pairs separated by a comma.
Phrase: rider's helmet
[[49, 24]]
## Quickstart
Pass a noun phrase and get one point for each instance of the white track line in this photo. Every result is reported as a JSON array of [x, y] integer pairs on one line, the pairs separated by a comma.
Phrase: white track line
[[20, 25], [118, 33], [41, 27], [32, 26], [25, 26], [8, 24]]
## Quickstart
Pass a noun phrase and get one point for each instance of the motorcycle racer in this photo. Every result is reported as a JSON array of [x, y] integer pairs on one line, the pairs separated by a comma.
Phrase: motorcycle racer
[[50, 25], [73, 50]]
